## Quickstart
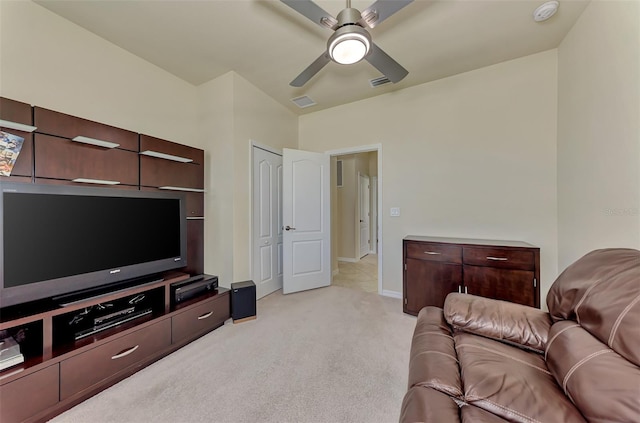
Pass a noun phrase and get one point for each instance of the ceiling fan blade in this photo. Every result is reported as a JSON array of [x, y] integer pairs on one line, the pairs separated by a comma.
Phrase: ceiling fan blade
[[312, 11], [311, 70], [381, 10], [385, 64]]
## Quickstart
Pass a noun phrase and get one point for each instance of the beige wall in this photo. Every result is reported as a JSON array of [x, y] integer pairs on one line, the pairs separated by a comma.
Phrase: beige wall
[[216, 122], [472, 155], [232, 114], [599, 131], [50, 62], [347, 209], [259, 118]]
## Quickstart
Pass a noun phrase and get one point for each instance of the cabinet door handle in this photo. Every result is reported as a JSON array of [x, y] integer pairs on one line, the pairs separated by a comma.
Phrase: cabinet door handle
[[432, 253], [466, 291], [459, 289], [125, 353], [204, 316], [497, 258]]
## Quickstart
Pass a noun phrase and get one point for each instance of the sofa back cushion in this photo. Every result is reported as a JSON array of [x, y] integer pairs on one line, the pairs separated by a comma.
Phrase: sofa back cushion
[[601, 292]]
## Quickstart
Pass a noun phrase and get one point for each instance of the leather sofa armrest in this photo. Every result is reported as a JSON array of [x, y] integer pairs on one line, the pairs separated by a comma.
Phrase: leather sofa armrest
[[511, 323]]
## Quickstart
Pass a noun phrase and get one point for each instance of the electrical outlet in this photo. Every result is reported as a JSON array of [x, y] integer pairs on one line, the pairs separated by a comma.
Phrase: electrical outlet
[[395, 211]]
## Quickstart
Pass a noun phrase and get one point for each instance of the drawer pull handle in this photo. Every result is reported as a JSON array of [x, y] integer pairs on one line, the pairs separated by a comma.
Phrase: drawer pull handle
[[165, 156], [94, 141], [432, 253], [17, 126], [125, 353], [95, 181], [497, 258], [204, 316]]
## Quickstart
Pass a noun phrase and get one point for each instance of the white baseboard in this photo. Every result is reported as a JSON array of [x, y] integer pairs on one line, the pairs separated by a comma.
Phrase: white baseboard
[[392, 294], [348, 260]]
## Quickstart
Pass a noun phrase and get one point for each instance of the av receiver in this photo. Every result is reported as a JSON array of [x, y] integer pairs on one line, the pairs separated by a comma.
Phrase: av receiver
[[193, 287]]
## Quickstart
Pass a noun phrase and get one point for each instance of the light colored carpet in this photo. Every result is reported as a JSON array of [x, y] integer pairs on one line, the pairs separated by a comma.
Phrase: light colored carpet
[[327, 355]]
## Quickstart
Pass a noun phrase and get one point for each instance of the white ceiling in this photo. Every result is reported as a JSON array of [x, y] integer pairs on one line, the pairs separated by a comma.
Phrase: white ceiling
[[269, 44]]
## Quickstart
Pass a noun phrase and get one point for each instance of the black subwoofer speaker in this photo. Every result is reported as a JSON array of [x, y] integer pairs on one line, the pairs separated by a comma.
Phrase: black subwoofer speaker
[[243, 301]]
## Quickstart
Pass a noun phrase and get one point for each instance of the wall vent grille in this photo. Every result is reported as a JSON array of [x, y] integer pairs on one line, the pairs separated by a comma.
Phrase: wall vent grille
[[304, 101], [376, 82]]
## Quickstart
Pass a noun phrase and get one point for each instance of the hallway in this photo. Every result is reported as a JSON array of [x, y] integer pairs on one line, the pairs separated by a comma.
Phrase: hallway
[[362, 275]]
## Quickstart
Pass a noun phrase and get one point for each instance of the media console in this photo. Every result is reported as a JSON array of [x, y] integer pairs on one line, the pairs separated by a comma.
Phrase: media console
[[76, 350], [73, 351]]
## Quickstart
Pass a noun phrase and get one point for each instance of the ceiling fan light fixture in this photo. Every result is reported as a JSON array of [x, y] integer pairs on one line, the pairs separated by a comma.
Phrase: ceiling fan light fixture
[[349, 45]]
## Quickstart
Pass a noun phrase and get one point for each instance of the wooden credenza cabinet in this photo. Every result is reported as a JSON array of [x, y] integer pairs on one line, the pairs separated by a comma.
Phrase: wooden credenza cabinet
[[435, 267]]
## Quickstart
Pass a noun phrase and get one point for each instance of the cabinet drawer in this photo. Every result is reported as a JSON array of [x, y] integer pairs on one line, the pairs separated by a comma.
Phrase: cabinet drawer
[[499, 257], [15, 111], [60, 158], [89, 368], [434, 252], [200, 319], [27, 396], [156, 172], [156, 145], [67, 126]]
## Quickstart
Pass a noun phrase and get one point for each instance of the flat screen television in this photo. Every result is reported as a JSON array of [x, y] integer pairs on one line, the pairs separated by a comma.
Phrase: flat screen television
[[59, 239]]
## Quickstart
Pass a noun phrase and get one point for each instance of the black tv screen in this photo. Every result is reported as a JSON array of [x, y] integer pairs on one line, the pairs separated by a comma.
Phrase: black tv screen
[[60, 239]]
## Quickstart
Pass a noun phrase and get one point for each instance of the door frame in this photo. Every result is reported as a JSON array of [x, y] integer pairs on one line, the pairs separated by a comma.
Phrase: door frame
[[255, 144], [366, 149]]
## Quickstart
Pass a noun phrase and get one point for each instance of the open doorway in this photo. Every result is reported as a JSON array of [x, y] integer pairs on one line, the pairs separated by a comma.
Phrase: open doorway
[[355, 228]]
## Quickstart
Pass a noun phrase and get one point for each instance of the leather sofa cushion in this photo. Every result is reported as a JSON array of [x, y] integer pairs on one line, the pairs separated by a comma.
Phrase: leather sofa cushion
[[511, 382], [422, 404], [501, 320], [602, 384], [601, 291], [433, 362], [472, 414]]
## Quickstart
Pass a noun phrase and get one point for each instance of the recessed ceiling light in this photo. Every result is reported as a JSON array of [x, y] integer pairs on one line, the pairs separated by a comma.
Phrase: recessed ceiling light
[[545, 11]]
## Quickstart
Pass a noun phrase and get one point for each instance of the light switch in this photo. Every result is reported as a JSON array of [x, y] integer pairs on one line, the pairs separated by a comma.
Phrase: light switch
[[395, 211]]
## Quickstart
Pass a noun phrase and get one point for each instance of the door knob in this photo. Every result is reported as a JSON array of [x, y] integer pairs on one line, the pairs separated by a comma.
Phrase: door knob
[[289, 228]]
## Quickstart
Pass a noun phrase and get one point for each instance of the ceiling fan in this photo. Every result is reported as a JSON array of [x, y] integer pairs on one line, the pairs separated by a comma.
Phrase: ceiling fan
[[350, 42]]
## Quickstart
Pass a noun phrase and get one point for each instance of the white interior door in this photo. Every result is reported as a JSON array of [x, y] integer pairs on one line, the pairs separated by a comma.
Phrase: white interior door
[[365, 231], [306, 219], [267, 221]]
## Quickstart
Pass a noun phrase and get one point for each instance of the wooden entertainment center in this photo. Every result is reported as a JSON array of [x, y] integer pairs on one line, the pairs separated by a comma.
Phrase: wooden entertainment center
[[60, 371]]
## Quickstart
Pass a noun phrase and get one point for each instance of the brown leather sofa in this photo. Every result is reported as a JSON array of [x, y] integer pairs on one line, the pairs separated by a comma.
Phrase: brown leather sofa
[[487, 361]]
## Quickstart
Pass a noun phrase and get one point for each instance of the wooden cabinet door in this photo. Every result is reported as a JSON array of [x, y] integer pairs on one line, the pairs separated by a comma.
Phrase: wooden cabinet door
[[502, 284], [195, 247], [27, 396], [427, 283]]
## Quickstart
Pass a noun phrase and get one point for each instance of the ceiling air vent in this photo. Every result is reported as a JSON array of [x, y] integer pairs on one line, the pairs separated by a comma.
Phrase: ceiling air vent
[[376, 82], [303, 101]]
